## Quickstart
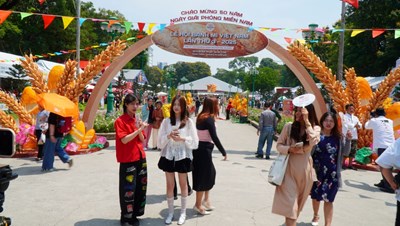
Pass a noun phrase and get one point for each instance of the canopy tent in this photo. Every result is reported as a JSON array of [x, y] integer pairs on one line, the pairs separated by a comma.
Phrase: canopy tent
[[7, 61], [200, 85]]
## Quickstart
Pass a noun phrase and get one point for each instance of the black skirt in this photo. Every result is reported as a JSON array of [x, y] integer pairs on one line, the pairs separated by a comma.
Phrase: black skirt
[[171, 166], [203, 167]]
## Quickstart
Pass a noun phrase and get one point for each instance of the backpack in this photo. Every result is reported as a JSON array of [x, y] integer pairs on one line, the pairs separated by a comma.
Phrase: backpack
[[64, 124]]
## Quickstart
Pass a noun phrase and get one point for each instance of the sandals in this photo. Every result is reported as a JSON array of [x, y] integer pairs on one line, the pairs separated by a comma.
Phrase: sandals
[[314, 221]]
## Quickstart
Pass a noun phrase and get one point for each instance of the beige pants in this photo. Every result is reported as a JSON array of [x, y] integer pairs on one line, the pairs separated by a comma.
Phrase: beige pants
[[154, 134]]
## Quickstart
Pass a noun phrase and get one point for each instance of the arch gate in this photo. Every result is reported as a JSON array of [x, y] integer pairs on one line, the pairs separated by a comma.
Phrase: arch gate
[[117, 65]]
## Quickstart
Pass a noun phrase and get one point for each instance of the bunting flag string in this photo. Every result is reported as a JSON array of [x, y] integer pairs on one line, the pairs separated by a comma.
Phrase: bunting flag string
[[48, 19]]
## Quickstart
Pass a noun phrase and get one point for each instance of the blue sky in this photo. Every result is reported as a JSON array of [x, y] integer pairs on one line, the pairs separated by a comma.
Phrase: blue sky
[[290, 14]]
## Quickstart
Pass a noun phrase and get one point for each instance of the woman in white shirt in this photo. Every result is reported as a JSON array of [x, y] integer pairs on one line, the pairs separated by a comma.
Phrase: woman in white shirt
[[177, 138]]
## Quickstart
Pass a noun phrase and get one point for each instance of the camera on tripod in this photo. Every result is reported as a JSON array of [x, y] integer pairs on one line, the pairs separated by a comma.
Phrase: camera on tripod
[[7, 149]]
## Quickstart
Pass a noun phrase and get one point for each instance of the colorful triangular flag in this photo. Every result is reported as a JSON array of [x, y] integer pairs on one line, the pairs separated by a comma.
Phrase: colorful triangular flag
[[162, 26], [47, 19], [81, 20], [356, 32], [141, 26], [66, 21], [396, 34], [354, 3], [150, 28], [377, 32], [23, 15], [288, 40], [3, 15], [128, 26]]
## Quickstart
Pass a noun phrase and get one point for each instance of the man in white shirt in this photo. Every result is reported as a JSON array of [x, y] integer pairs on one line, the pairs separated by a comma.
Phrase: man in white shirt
[[383, 137], [350, 124], [391, 158]]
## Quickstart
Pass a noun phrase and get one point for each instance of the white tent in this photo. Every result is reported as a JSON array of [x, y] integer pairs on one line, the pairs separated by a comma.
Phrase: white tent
[[7, 61], [200, 85]]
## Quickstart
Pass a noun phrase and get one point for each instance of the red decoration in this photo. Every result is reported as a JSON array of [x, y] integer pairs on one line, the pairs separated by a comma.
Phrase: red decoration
[[288, 40], [354, 3], [47, 19], [4, 15], [377, 32]]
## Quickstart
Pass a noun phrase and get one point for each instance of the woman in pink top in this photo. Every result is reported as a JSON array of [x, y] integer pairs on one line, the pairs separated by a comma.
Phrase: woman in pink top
[[203, 168]]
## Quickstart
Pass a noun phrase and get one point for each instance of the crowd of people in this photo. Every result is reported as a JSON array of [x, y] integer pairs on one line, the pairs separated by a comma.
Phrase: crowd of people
[[185, 146], [318, 150]]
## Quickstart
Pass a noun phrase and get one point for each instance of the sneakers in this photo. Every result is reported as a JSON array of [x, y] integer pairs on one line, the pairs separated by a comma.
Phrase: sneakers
[[48, 170], [70, 163], [259, 156], [169, 218], [182, 219], [267, 157]]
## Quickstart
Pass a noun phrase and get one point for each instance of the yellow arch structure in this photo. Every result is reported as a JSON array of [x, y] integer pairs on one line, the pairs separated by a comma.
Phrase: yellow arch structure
[[117, 65]]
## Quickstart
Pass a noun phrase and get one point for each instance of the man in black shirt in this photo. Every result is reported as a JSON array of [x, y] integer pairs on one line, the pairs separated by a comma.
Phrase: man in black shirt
[[53, 143]]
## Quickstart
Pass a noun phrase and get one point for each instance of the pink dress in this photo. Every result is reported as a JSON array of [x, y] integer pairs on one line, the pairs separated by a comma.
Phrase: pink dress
[[291, 196]]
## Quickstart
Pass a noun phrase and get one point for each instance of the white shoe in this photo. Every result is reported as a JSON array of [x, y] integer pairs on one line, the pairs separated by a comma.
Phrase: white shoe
[[169, 218], [182, 219]]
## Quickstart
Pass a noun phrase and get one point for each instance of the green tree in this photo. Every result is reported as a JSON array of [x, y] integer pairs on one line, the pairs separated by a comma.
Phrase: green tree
[[155, 77], [16, 81], [243, 63], [265, 82], [370, 56], [191, 71], [29, 36]]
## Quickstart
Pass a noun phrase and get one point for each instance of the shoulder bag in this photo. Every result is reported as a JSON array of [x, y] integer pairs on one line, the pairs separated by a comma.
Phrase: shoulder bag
[[278, 167]]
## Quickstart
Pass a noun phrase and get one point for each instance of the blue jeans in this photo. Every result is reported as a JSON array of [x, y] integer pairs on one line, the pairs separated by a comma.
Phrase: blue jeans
[[49, 149], [267, 134]]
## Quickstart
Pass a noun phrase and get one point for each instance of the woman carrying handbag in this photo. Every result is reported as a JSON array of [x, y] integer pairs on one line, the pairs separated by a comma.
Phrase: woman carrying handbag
[[292, 194]]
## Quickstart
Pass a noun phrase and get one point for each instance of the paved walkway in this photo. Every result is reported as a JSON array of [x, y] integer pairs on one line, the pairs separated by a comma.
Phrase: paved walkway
[[87, 194]]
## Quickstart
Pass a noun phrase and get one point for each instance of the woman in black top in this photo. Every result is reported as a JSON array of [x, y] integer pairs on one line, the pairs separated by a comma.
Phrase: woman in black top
[[203, 168]]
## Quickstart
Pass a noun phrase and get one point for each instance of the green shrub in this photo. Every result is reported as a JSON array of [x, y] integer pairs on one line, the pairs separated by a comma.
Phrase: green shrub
[[105, 123], [285, 119], [254, 115], [81, 107]]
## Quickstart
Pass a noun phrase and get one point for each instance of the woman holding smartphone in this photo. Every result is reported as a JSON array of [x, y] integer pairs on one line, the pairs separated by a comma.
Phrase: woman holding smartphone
[[132, 159], [296, 139], [177, 138]]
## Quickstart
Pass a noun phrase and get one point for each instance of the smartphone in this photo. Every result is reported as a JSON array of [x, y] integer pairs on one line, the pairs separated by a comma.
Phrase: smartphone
[[299, 144], [7, 142]]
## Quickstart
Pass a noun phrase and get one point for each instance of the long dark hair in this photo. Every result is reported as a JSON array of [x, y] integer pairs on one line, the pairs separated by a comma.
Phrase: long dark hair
[[208, 109], [129, 98], [335, 130], [184, 112], [296, 126]]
